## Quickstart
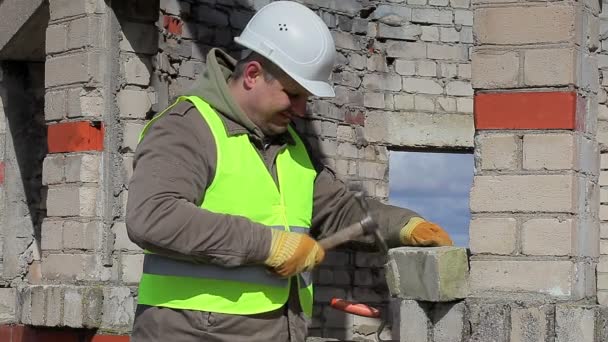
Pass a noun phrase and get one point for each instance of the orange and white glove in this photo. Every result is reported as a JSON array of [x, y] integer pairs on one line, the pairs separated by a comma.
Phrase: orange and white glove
[[293, 253], [419, 232]]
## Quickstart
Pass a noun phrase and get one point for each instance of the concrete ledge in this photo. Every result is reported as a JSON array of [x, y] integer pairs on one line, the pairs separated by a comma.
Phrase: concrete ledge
[[430, 274]]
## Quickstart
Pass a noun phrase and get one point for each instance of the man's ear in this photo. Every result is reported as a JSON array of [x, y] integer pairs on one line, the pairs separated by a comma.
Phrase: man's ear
[[252, 74]]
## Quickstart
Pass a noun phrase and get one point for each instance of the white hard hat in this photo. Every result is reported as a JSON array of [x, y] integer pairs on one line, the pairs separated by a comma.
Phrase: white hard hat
[[295, 39]]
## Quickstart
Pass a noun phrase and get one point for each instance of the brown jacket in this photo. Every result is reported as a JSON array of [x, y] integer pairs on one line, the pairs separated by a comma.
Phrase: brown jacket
[[175, 162]]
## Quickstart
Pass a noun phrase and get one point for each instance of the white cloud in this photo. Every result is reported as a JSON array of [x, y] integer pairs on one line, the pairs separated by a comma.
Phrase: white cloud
[[436, 185]]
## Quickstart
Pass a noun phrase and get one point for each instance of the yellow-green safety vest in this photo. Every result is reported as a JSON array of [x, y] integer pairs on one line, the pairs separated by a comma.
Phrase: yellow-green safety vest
[[242, 186]]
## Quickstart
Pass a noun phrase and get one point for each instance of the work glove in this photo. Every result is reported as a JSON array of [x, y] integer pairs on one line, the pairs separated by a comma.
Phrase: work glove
[[419, 232], [293, 253]]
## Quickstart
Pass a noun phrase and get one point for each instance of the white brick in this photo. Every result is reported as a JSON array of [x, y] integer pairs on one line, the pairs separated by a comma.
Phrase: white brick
[[84, 103], [132, 266], [52, 235], [133, 104], [69, 267], [449, 35], [424, 103], [431, 16], [72, 201], [406, 50], [80, 235], [459, 88], [85, 32], [497, 151], [447, 52], [121, 239], [8, 305], [60, 9], [548, 151], [462, 17], [53, 169], [71, 69], [547, 237], [55, 107], [131, 135], [404, 101], [423, 86], [464, 105], [430, 34], [446, 104], [523, 193], [427, 68], [56, 38], [493, 235], [382, 82], [137, 71], [496, 69], [374, 100], [408, 68], [82, 168]]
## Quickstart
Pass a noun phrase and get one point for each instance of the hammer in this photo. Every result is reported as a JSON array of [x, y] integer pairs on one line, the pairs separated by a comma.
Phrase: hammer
[[367, 226]]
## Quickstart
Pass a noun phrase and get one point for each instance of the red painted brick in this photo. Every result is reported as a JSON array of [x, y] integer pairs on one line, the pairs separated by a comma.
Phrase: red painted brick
[[529, 110], [355, 118], [109, 338], [75, 136], [173, 25], [1, 176]]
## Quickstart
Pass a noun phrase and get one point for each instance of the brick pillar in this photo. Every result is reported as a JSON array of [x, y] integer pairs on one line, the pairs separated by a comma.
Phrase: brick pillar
[[534, 231]]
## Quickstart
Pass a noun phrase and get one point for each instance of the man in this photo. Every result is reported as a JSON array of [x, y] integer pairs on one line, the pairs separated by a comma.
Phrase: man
[[228, 202]]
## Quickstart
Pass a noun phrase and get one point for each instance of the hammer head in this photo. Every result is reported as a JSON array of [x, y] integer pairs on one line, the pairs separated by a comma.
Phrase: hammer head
[[370, 227]]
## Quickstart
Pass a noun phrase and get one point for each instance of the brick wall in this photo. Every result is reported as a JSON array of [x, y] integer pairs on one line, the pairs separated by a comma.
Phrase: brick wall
[[602, 267]]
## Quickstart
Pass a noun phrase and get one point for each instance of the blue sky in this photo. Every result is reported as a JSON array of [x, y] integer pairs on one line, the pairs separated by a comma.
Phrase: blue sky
[[436, 185]]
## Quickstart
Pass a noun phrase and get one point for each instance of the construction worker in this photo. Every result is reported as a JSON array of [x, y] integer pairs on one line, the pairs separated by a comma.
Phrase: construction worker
[[228, 202]]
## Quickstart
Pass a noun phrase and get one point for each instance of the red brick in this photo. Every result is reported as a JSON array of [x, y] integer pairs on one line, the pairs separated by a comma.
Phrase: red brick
[[75, 136], [110, 338], [356, 118], [173, 25], [1, 176], [528, 110]]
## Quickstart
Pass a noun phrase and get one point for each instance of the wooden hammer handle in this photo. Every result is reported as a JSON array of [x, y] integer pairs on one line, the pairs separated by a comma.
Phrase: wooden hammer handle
[[350, 233]]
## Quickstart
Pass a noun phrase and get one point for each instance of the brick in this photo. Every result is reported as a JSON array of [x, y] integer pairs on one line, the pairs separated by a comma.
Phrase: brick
[[525, 25], [346, 41], [84, 67], [532, 110], [137, 71], [8, 305], [459, 88], [426, 68], [52, 235], [121, 240], [547, 237], [406, 50], [532, 323], [83, 103], [81, 235], [68, 267], [449, 35], [449, 322], [132, 266], [448, 70], [56, 38], [464, 105], [404, 101], [424, 103], [406, 68], [75, 136], [53, 169], [73, 308], [83, 168], [574, 323], [118, 308], [38, 305], [539, 151], [549, 67], [431, 16], [446, 104], [134, 104], [523, 276], [447, 52], [493, 235], [85, 33], [54, 305], [131, 135], [489, 322], [418, 322], [374, 100], [443, 270], [406, 32], [495, 69], [463, 17], [523, 193], [602, 298], [60, 9], [72, 201], [498, 151], [55, 107], [423, 86], [382, 82]]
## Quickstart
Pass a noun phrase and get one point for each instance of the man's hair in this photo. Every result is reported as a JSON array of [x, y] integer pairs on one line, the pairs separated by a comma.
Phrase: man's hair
[[268, 69]]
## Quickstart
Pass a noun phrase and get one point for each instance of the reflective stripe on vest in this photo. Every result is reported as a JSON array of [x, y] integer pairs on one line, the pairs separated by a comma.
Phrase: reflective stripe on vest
[[242, 186]]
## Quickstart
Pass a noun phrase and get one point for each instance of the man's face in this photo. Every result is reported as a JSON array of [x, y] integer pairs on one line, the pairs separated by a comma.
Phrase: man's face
[[277, 102]]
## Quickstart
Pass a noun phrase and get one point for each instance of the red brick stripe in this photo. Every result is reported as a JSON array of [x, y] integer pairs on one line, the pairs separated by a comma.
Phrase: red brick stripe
[[531, 110], [75, 136]]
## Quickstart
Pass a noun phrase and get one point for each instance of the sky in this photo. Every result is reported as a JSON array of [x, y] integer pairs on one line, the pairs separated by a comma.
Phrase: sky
[[435, 185]]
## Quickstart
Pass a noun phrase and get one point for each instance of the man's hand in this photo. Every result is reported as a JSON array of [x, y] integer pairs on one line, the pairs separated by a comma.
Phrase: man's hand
[[293, 253], [419, 232]]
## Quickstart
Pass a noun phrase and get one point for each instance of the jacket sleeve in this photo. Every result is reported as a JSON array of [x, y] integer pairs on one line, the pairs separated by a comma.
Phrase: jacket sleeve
[[335, 207], [173, 165]]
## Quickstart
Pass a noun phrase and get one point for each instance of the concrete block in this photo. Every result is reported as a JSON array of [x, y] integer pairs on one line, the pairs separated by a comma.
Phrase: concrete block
[[52, 235], [72, 201], [548, 237], [524, 276], [121, 239], [81, 235], [55, 107], [118, 308], [493, 235], [498, 151], [139, 38], [53, 169], [525, 25], [532, 323], [137, 70], [8, 305], [84, 168], [415, 323], [430, 274], [495, 69], [489, 322], [56, 38], [549, 67], [132, 266], [68, 267], [549, 151], [523, 193], [82, 67], [86, 32], [449, 322], [574, 323], [423, 86]]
